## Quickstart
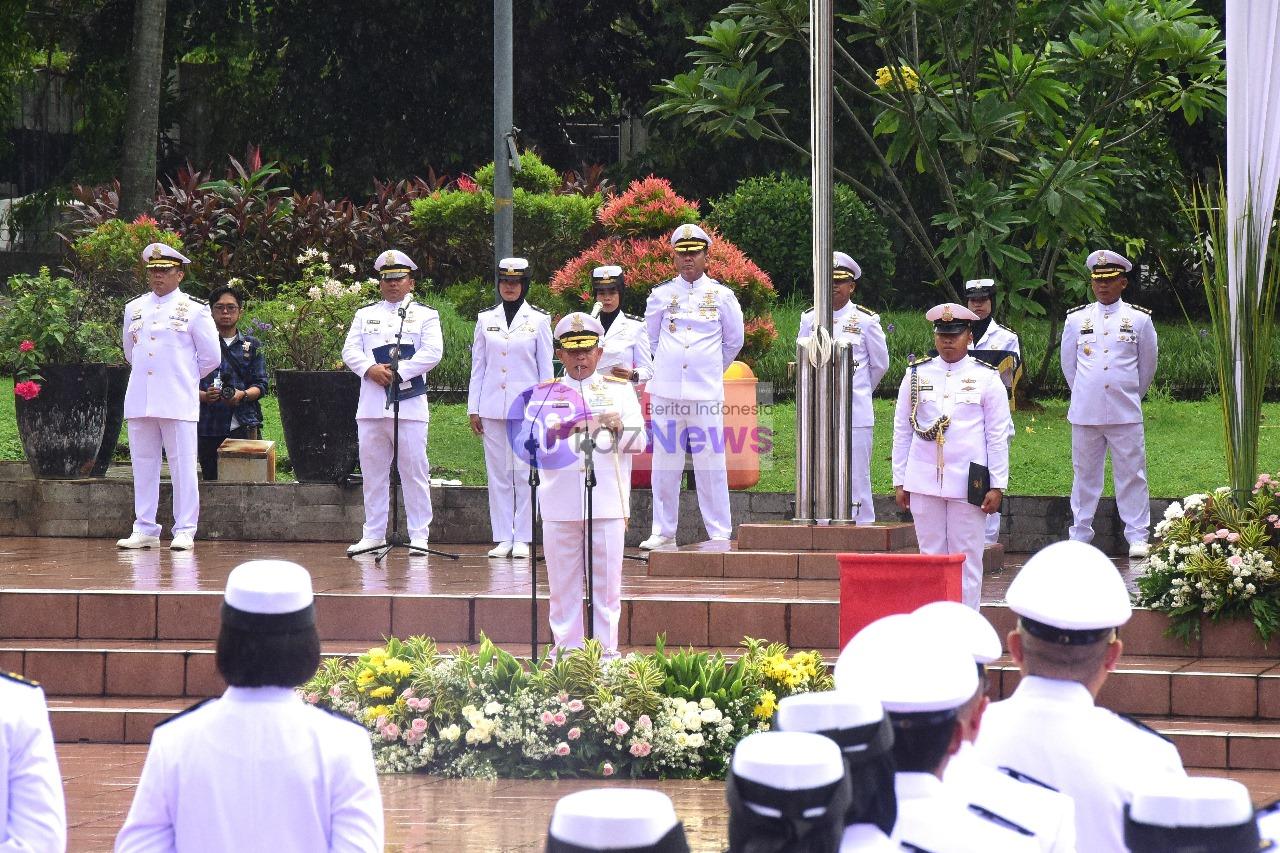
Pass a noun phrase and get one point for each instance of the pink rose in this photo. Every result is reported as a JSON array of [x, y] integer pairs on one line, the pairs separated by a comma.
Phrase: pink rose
[[27, 390], [562, 749], [412, 737], [562, 697], [26, 346], [640, 748], [391, 731], [1233, 537], [407, 694], [418, 726], [1221, 532], [547, 718], [620, 726], [1208, 538], [575, 733], [380, 723], [335, 692], [575, 705], [424, 704], [1235, 560], [313, 698], [607, 769], [1273, 518], [560, 718], [644, 722]]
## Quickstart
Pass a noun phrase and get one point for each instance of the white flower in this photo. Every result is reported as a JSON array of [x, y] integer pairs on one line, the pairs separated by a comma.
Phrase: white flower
[[1173, 510], [234, 282], [324, 256], [707, 703], [350, 269], [291, 307], [682, 739], [314, 292], [692, 722], [332, 287], [450, 733], [711, 716], [1250, 588], [492, 709], [695, 740]]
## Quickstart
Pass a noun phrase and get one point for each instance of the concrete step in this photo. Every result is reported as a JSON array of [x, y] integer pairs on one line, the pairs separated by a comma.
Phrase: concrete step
[[789, 536], [736, 560]]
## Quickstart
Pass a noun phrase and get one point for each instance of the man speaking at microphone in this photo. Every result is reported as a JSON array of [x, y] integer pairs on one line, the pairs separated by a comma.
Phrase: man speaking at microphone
[[581, 408], [375, 328]]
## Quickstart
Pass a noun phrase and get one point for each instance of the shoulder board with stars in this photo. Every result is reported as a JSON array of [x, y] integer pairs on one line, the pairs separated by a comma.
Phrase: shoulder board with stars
[[987, 366], [194, 707], [635, 317], [1140, 308], [1138, 724], [865, 310], [1078, 308], [197, 300], [18, 679], [539, 310], [612, 378], [925, 359]]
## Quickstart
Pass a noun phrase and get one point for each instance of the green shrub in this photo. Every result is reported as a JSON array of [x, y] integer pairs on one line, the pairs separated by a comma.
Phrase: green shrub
[[534, 175], [61, 323], [471, 297], [110, 256], [769, 219]]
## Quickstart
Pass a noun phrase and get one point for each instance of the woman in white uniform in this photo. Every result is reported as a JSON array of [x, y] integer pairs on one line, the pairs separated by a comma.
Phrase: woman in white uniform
[[626, 343], [510, 354]]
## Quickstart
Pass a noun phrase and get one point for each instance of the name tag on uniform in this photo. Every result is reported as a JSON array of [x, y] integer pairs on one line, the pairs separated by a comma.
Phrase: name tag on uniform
[[492, 329]]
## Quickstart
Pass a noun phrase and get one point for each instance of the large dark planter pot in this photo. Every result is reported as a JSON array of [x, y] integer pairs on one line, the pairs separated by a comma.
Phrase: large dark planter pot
[[62, 428], [117, 385], [318, 413]]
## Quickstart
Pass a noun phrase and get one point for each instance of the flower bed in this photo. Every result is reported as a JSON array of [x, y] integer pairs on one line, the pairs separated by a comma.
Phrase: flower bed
[[1217, 558], [486, 714]]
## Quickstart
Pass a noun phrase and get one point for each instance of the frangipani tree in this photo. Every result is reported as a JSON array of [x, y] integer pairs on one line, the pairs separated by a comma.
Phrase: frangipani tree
[[1023, 118]]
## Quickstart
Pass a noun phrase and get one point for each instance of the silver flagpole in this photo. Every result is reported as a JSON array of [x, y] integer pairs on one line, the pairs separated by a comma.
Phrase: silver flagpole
[[821, 25]]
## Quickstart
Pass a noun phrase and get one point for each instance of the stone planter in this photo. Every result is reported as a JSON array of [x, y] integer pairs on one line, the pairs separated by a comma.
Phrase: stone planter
[[63, 429], [318, 414], [117, 384]]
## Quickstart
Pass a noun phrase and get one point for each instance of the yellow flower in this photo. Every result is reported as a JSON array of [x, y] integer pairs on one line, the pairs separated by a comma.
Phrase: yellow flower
[[768, 702], [398, 668], [373, 712], [910, 79], [381, 693], [364, 678]]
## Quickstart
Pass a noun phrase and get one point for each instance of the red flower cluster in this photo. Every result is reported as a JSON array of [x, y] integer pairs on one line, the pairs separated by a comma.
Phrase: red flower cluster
[[648, 207], [466, 185], [27, 390], [143, 219], [26, 346]]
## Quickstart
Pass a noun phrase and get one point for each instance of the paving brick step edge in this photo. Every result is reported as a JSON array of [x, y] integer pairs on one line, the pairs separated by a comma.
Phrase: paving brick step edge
[[695, 562], [800, 622]]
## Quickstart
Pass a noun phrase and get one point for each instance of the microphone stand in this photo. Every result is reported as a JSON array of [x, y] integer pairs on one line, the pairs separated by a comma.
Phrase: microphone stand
[[589, 484], [531, 445], [397, 539]]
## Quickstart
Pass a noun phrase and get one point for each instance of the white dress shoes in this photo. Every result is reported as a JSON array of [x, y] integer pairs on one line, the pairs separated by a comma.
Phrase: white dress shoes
[[364, 544], [520, 550], [182, 542], [502, 549], [1138, 550], [138, 540], [657, 541]]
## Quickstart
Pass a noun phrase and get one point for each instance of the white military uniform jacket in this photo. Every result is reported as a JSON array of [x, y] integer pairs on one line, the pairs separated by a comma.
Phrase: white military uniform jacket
[[33, 813], [257, 769], [626, 344], [931, 817], [861, 328], [1049, 814], [972, 394], [866, 838], [171, 342], [696, 331], [1051, 730], [506, 362], [562, 496], [998, 337], [376, 325], [1109, 359]]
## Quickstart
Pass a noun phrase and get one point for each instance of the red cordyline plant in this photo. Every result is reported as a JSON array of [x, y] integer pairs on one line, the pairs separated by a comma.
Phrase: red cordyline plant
[[641, 220]]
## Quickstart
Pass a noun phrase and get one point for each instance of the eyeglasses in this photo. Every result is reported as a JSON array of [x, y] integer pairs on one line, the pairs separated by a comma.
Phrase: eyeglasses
[[228, 308]]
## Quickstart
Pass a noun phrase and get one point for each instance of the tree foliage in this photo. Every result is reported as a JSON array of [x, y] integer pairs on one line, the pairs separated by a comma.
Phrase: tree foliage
[[1000, 135]]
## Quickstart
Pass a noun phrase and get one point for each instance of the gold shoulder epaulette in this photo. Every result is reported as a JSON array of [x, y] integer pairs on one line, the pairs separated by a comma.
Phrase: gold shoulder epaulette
[[1078, 308], [547, 382], [987, 366], [865, 310], [539, 310], [1140, 308], [921, 360], [612, 378], [13, 676], [199, 301]]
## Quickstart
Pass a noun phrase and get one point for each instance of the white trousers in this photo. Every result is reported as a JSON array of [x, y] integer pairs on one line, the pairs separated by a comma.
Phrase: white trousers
[[952, 526], [376, 437], [564, 543], [993, 528], [1089, 446], [674, 421], [509, 515], [149, 440], [860, 487]]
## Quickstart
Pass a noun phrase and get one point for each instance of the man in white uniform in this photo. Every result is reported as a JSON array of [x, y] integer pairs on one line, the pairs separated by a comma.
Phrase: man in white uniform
[[258, 768], [860, 327], [374, 329], [1109, 354], [925, 686], [510, 353], [1003, 349], [33, 812], [695, 331], [626, 341], [952, 413], [1194, 814], [1071, 600], [171, 342], [586, 403], [1047, 813], [635, 819], [787, 791]]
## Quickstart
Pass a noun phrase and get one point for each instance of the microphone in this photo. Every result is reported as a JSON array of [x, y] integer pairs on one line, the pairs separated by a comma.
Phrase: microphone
[[595, 311], [403, 310]]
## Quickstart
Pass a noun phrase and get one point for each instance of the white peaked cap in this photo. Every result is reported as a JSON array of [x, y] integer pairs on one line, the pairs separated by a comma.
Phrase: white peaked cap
[[613, 818], [788, 761], [269, 587], [962, 624], [1070, 585]]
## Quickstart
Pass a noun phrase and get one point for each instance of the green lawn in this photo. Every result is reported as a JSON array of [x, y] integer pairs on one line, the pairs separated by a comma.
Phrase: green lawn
[[1184, 445]]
